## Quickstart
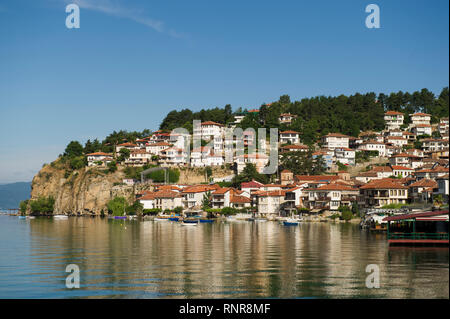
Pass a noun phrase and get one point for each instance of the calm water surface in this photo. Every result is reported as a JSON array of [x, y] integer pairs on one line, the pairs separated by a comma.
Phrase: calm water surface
[[135, 259]]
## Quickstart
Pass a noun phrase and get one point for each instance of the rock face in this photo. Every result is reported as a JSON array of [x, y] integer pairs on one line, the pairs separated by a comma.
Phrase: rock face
[[88, 190], [84, 191]]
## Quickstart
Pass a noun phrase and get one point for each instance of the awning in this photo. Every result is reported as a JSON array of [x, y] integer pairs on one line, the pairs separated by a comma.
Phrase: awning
[[417, 215]]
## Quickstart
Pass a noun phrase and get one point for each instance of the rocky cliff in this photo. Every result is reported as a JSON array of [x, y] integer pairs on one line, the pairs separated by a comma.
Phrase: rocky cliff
[[88, 190]]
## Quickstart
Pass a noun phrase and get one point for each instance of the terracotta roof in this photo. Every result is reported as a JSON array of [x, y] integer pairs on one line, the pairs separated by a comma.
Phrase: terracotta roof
[[211, 123], [368, 174], [423, 125], [316, 178], [403, 168], [333, 187], [166, 194], [385, 183], [160, 144], [434, 170], [200, 188], [98, 154], [420, 114], [240, 199], [221, 191], [149, 196], [252, 184], [336, 135], [393, 113], [424, 183], [275, 193], [289, 132], [127, 144]]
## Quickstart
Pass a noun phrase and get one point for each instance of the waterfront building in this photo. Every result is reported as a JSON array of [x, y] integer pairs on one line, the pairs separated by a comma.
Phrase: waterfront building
[[378, 193]]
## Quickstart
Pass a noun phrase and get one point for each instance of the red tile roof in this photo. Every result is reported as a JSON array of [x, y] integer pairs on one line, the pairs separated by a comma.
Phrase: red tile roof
[[385, 183], [393, 113]]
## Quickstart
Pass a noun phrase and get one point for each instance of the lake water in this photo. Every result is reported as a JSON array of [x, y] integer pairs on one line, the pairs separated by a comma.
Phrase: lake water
[[147, 259]]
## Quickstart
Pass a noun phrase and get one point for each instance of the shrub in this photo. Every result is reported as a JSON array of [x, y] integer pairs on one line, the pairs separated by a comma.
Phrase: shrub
[[42, 205]]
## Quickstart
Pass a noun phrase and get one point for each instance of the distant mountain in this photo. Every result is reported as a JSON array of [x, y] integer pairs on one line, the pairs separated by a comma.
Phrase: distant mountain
[[12, 194]]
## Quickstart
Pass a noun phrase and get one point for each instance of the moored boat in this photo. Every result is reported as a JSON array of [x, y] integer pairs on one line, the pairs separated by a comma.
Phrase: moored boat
[[22, 217], [60, 216], [189, 222], [207, 220], [290, 222], [120, 217]]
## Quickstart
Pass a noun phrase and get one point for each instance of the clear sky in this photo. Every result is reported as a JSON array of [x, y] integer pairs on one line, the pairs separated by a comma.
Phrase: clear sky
[[131, 62]]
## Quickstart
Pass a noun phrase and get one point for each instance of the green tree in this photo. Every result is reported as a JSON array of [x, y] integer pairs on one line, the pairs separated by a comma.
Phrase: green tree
[[206, 201], [117, 205], [73, 149], [42, 205], [248, 174], [23, 206]]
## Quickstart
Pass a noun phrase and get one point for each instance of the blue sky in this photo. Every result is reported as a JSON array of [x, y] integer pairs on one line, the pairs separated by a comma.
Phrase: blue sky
[[131, 62]]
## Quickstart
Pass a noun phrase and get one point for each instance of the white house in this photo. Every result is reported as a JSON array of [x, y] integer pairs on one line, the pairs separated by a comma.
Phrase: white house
[[422, 129], [94, 158], [289, 137], [420, 118], [334, 140], [269, 203], [401, 171], [157, 148], [345, 155], [259, 160], [373, 146], [398, 141], [393, 119]]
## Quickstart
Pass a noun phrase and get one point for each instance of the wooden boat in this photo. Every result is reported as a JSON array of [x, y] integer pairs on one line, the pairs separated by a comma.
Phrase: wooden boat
[[207, 220], [424, 228], [174, 219], [189, 222], [290, 222], [162, 218]]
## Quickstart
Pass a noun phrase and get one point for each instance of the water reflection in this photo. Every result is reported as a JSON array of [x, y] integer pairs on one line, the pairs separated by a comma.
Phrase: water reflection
[[133, 259]]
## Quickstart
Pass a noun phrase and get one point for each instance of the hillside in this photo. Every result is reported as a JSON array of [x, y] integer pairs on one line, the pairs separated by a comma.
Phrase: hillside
[[12, 194]]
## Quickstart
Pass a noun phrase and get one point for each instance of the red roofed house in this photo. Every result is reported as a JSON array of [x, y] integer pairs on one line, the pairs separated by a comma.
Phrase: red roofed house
[[421, 129], [127, 145], [330, 197], [422, 190], [269, 203], [401, 171], [393, 119], [286, 118], [378, 193], [193, 195], [291, 137], [249, 187], [420, 118], [94, 159]]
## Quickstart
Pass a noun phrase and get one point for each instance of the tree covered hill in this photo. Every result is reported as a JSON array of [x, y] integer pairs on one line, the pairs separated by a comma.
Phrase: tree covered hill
[[320, 115]]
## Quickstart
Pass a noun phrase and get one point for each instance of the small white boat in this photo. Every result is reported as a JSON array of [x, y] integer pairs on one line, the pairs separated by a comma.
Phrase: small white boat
[[31, 217], [189, 223], [260, 219], [60, 217], [159, 219], [290, 222]]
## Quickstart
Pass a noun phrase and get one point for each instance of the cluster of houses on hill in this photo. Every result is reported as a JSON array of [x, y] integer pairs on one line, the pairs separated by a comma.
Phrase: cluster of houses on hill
[[412, 174], [313, 193]]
